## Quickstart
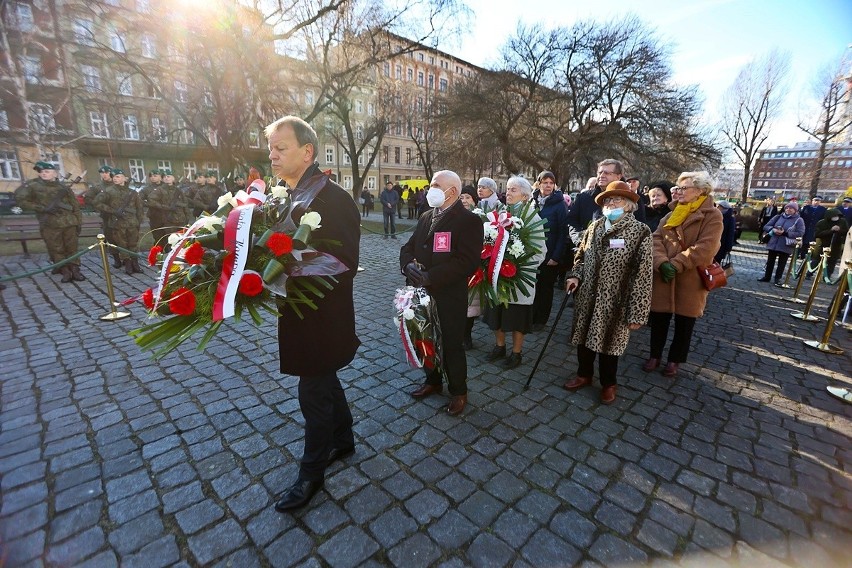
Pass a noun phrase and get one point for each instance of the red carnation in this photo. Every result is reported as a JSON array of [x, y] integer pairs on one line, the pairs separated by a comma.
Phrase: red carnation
[[182, 302], [279, 243], [148, 297], [475, 278], [194, 254], [507, 269], [152, 255], [251, 284], [486, 251]]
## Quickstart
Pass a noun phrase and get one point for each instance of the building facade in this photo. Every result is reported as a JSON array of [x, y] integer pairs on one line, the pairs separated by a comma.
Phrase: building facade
[[786, 172]]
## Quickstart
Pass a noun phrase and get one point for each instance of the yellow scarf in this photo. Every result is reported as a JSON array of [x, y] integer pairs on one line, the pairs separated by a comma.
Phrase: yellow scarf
[[681, 212]]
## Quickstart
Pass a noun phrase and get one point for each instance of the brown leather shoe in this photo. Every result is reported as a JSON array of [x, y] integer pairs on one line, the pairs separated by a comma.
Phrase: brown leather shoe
[[608, 394], [427, 389], [671, 370], [577, 383], [457, 404], [651, 364]]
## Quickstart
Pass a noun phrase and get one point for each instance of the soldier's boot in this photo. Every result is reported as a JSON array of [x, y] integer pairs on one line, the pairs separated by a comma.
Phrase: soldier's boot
[[136, 268], [67, 275], [76, 274], [128, 266], [57, 270], [117, 263]]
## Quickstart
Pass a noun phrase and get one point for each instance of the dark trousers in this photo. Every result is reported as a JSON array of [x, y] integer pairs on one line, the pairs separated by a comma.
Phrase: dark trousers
[[455, 360], [387, 216], [607, 365], [328, 422], [679, 348], [412, 211], [543, 301], [770, 263], [365, 211]]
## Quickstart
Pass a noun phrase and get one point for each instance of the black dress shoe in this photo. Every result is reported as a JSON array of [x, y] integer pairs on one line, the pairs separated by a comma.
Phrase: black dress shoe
[[298, 495], [763, 279], [512, 361], [498, 352], [340, 453]]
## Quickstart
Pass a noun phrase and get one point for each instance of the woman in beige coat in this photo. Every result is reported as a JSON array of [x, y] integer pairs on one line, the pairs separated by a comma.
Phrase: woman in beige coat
[[686, 238]]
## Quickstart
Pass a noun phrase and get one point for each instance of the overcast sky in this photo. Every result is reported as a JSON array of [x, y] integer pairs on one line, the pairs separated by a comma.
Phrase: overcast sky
[[710, 39]]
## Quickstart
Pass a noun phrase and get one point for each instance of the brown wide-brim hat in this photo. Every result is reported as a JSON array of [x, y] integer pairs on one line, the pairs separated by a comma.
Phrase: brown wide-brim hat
[[617, 189]]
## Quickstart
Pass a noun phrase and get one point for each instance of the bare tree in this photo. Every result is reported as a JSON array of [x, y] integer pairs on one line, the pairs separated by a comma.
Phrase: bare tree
[[831, 124], [749, 107]]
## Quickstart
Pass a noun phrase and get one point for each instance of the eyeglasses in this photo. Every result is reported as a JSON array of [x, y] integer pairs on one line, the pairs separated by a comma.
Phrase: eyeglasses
[[614, 200], [676, 188]]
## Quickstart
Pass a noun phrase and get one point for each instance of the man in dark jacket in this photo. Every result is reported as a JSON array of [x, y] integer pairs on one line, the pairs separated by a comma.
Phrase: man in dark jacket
[[811, 215], [769, 211], [551, 208], [389, 200], [323, 341], [584, 210], [830, 232], [441, 255]]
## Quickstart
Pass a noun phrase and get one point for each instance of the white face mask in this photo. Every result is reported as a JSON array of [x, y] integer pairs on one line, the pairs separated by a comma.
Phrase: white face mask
[[435, 197]]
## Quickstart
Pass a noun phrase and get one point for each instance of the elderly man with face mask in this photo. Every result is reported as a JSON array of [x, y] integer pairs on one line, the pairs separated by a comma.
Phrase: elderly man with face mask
[[441, 254]]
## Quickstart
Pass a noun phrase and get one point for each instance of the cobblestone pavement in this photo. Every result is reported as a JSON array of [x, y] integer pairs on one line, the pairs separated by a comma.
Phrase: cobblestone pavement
[[109, 458]]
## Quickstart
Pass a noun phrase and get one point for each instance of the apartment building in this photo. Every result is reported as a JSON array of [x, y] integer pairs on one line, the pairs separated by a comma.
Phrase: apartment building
[[786, 172]]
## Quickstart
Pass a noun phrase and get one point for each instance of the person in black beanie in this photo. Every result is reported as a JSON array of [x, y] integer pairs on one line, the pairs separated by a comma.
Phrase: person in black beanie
[[660, 196]]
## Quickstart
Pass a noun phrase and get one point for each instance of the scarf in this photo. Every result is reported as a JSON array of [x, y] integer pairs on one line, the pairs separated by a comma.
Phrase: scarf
[[681, 212]]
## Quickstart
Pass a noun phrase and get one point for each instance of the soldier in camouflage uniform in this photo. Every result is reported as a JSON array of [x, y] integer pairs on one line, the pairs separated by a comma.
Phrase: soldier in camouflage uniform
[[125, 210], [89, 199], [204, 198], [170, 206], [58, 214], [239, 183], [155, 181]]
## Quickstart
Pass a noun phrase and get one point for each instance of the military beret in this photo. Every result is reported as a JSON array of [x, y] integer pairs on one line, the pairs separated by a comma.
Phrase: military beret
[[104, 169], [43, 166], [155, 172], [117, 171], [212, 173], [166, 172]]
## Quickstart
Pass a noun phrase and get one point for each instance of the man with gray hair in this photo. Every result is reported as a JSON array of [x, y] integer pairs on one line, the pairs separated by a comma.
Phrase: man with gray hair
[[486, 189], [441, 254], [584, 210]]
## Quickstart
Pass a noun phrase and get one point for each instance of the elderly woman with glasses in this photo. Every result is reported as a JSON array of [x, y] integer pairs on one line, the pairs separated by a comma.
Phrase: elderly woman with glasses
[[687, 238], [612, 277]]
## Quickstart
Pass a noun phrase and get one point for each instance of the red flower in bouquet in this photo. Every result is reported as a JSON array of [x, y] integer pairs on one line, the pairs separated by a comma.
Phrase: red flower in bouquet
[[194, 254], [251, 284], [427, 349], [182, 302], [148, 299], [487, 250], [507, 269], [152, 255], [280, 243], [476, 278]]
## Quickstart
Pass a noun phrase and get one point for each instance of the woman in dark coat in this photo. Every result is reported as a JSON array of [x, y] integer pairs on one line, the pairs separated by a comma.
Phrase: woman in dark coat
[[660, 195], [729, 228]]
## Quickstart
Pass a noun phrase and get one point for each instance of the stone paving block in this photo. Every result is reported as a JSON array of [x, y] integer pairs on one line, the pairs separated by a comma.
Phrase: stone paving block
[[23, 497], [22, 550], [452, 531], [249, 502], [696, 482], [426, 506], [324, 517], [106, 559], [538, 506], [392, 526], [24, 475], [711, 538], [198, 516], [127, 485], [23, 522], [122, 465], [402, 485], [615, 518], [574, 528], [216, 541], [609, 549], [714, 513], [182, 497], [76, 548], [577, 495], [133, 506], [658, 538], [506, 487], [481, 508], [77, 495], [348, 548], [367, 503], [547, 549], [488, 551], [157, 554], [133, 535], [345, 483]]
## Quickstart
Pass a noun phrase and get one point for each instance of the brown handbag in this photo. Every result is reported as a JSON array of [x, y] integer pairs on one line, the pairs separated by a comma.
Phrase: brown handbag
[[713, 276]]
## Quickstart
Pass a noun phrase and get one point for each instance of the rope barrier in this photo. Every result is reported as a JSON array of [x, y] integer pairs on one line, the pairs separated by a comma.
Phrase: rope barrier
[[65, 261], [398, 232]]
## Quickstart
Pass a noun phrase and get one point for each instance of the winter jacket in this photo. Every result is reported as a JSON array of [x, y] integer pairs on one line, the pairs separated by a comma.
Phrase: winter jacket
[[556, 217], [687, 246], [615, 284], [826, 237], [54, 203], [123, 206], [729, 228], [793, 226]]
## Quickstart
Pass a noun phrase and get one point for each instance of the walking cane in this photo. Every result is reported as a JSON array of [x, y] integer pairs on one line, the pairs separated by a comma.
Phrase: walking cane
[[549, 335]]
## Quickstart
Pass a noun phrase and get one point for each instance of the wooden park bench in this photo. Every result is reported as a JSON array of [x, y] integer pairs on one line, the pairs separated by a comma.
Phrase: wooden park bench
[[24, 228]]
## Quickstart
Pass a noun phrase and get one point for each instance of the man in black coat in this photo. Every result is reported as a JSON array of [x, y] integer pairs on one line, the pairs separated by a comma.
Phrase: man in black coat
[[441, 255], [769, 211], [584, 209], [316, 346]]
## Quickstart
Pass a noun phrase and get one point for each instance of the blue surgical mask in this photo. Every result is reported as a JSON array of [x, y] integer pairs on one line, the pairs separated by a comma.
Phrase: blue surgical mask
[[614, 214]]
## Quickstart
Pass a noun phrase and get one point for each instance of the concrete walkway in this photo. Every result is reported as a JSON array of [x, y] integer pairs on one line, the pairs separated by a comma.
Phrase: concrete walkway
[[109, 458]]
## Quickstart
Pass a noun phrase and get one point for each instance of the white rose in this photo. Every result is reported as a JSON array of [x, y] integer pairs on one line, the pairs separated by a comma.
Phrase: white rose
[[478, 211], [212, 223], [424, 300], [174, 238], [311, 219], [279, 191], [227, 199], [408, 314]]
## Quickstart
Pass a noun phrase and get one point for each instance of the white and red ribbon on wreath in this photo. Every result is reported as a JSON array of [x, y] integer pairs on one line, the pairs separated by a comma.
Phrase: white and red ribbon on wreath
[[237, 243], [171, 256], [502, 220], [408, 345], [253, 195]]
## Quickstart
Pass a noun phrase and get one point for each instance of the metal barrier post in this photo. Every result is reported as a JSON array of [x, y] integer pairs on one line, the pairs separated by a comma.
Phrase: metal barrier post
[[114, 314]]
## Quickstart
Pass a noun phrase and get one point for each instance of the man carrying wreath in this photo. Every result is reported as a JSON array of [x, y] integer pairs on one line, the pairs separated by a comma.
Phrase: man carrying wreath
[[440, 256], [315, 346]]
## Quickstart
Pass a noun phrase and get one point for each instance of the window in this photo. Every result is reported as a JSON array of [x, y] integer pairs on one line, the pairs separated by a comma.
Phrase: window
[[4, 120], [31, 66], [387, 69], [371, 182], [153, 91], [408, 156], [125, 84], [254, 138], [371, 109], [359, 131], [431, 81], [9, 168], [91, 78], [149, 48], [410, 75], [431, 60], [385, 154], [214, 166], [329, 154], [98, 120], [361, 159], [131, 127], [186, 135], [396, 155], [158, 129], [41, 118], [420, 79], [189, 170], [23, 20], [347, 182], [420, 56], [137, 169], [309, 97], [213, 137], [347, 160], [181, 92], [359, 106], [83, 33], [398, 72], [164, 164], [116, 42], [442, 85]]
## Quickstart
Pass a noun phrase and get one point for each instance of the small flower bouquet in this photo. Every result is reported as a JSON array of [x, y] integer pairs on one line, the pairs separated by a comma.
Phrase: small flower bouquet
[[416, 320], [248, 256], [508, 260]]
